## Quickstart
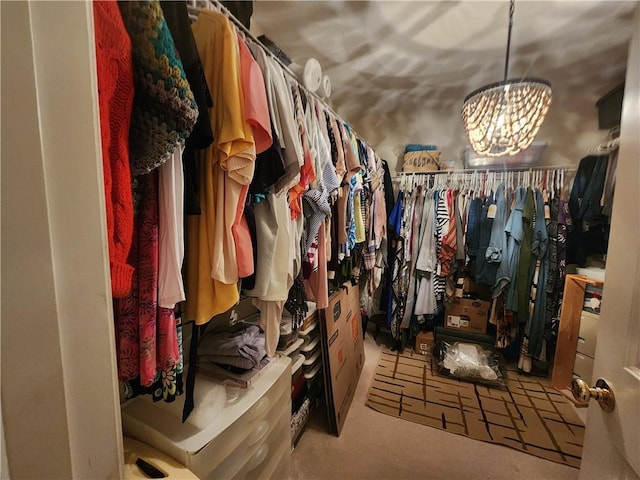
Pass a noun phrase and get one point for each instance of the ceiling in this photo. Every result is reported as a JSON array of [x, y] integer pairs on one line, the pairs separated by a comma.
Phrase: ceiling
[[400, 70]]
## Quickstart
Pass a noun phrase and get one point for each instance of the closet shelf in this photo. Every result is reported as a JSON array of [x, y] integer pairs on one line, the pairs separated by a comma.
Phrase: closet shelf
[[312, 360], [292, 348], [297, 364], [310, 375], [311, 345], [310, 329]]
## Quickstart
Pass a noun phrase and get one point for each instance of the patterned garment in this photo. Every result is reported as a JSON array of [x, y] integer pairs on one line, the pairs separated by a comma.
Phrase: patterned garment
[[164, 108], [168, 383], [307, 172], [449, 240], [564, 226], [147, 336], [441, 220], [503, 319], [553, 287], [418, 200], [351, 223], [400, 275]]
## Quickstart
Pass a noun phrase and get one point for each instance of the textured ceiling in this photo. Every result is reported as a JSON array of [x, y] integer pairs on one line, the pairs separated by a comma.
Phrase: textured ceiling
[[396, 66]]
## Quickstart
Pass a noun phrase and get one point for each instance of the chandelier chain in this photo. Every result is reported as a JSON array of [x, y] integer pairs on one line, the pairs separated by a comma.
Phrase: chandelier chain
[[512, 8], [503, 118]]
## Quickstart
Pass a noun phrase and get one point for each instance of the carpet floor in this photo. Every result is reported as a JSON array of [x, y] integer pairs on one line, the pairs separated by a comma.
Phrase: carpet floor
[[527, 415], [375, 446]]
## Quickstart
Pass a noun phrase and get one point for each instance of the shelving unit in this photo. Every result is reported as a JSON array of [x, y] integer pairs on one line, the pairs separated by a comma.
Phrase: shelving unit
[[246, 437], [577, 331], [310, 373]]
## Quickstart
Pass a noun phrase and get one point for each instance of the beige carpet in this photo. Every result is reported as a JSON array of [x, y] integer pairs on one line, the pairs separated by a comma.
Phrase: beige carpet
[[529, 415]]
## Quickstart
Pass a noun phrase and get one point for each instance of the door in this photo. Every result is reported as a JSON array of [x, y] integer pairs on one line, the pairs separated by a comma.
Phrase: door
[[612, 442]]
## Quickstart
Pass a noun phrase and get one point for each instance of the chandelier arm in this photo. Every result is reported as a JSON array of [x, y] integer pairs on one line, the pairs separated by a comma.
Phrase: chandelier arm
[[506, 61]]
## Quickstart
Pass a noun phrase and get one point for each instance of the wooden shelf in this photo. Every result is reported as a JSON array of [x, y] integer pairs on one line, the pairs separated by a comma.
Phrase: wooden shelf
[[567, 344]]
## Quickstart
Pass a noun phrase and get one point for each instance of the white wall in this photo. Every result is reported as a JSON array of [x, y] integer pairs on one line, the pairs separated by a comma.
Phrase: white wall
[[59, 397], [571, 130]]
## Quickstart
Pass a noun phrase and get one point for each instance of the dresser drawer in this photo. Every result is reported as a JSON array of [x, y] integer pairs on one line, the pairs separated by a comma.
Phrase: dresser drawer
[[216, 427], [257, 449], [283, 469], [263, 460], [226, 450], [588, 334], [583, 367]]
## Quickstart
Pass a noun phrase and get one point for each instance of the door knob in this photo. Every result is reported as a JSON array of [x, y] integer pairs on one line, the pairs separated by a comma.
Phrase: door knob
[[602, 393]]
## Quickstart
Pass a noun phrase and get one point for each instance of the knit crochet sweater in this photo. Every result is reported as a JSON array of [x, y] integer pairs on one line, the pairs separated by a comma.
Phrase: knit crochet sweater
[[115, 95], [164, 109]]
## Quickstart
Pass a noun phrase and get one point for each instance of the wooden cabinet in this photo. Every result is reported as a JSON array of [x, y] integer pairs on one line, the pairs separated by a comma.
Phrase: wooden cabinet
[[575, 348]]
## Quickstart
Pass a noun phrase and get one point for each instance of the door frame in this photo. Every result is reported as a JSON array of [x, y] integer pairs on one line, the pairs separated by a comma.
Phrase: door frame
[[60, 400]]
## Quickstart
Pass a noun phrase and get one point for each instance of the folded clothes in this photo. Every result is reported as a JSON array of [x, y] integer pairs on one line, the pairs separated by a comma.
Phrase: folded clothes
[[243, 349]]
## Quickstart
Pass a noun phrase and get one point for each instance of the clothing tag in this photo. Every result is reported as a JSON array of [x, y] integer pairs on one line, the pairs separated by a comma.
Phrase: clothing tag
[[491, 212], [547, 212]]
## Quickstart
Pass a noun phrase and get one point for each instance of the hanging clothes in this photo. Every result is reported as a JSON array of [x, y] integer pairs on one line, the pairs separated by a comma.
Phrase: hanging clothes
[[411, 254], [164, 108], [226, 166], [177, 18], [515, 231], [533, 342], [524, 278], [520, 250], [115, 97], [485, 270], [426, 263], [171, 231], [394, 301], [496, 252], [147, 341], [474, 218], [591, 233]]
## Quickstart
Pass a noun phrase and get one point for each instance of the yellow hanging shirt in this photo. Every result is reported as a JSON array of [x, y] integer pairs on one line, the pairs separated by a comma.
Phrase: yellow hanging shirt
[[225, 167]]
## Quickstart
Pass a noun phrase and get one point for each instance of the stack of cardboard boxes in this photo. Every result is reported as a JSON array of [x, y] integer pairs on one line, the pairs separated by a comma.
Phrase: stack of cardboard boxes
[[465, 320]]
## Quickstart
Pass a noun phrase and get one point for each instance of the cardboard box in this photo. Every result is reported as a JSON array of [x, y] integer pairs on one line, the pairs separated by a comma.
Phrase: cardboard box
[[343, 352], [476, 290], [424, 343], [465, 314]]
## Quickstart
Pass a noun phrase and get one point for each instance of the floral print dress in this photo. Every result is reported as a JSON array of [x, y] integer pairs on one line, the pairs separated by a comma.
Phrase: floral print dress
[[148, 337]]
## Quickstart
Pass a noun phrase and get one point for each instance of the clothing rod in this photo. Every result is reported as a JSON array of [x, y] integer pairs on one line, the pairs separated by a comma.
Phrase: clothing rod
[[195, 6], [568, 168]]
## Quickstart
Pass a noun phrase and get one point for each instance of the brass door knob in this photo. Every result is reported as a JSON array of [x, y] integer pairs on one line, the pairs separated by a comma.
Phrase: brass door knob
[[602, 393]]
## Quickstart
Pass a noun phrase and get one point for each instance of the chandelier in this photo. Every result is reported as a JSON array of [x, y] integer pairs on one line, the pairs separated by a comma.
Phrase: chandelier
[[503, 118]]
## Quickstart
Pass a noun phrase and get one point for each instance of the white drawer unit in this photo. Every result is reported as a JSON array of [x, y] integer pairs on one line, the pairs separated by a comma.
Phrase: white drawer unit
[[244, 438], [583, 368], [587, 334]]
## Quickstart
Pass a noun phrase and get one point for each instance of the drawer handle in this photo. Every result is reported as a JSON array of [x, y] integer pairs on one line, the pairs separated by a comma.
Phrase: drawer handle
[[259, 432], [258, 457], [261, 406]]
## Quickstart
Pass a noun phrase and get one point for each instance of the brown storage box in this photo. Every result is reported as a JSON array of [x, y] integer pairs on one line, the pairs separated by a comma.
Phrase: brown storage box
[[343, 352], [465, 314], [476, 290], [424, 343]]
